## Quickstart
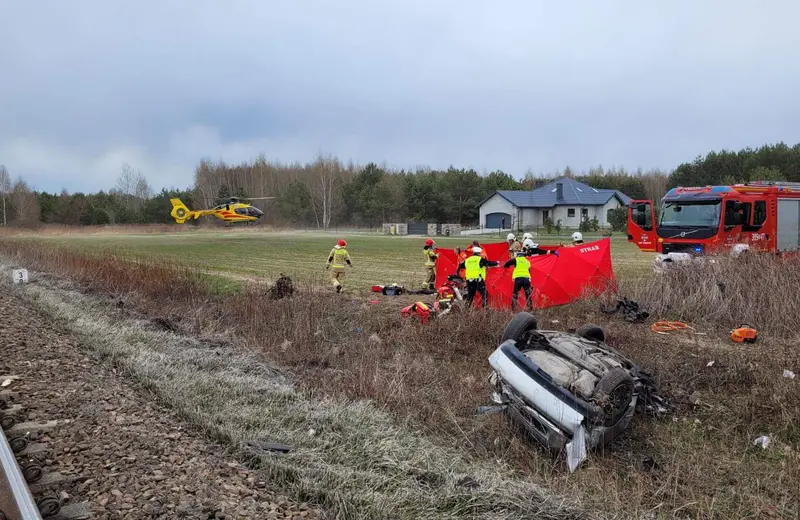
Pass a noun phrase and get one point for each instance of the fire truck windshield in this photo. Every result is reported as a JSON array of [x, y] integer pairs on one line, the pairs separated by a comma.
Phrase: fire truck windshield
[[694, 214]]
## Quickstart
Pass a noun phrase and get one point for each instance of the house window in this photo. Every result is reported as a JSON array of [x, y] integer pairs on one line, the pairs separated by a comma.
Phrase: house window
[[584, 212], [545, 215], [571, 212]]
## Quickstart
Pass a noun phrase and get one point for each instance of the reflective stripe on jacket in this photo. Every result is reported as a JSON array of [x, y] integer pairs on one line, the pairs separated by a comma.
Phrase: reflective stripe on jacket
[[430, 257], [340, 257]]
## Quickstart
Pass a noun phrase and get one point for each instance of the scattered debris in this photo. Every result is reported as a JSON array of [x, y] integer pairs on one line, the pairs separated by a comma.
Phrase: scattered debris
[[788, 374], [312, 432], [744, 334], [485, 410], [389, 290], [630, 310], [269, 446], [710, 363], [762, 441], [283, 287], [374, 338], [285, 345]]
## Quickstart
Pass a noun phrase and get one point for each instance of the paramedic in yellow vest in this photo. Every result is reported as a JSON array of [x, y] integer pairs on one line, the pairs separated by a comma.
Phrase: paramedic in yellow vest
[[338, 258], [475, 274], [522, 279], [429, 251]]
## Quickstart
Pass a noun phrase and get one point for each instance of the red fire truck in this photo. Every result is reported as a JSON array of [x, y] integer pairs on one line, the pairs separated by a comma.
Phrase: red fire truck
[[760, 216]]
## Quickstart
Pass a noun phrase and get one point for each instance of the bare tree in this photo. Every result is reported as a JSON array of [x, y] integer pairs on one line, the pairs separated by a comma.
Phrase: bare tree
[[207, 182], [133, 187], [325, 173], [24, 203], [5, 190], [655, 184]]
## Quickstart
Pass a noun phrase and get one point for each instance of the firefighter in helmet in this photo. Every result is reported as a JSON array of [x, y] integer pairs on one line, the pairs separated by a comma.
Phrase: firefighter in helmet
[[475, 273], [337, 259], [531, 248], [577, 239], [429, 251], [514, 245]]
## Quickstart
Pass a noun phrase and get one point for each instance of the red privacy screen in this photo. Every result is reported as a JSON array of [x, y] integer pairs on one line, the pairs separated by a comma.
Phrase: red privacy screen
[[577, 272]]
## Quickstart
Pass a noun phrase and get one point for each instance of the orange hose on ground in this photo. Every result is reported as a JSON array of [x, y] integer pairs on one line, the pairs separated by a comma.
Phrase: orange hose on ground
[[667, 326]]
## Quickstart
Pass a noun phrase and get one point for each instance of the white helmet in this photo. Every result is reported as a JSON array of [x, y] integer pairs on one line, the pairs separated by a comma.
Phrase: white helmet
[[477, 250], [528, 243], [577, 237], [527, 236], [510, 237]]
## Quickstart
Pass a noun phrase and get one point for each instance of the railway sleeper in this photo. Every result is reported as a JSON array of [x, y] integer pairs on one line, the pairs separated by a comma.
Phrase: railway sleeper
[[41, 484]]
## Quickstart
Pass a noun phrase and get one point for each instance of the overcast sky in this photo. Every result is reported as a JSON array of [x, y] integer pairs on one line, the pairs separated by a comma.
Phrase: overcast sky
[[512, 84]]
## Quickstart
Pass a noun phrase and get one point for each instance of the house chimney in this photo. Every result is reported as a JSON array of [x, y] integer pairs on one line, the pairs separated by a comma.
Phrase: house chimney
[[559, 191]]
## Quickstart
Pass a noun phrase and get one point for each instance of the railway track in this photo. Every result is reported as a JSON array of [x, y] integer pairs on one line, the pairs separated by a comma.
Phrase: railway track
[[27, 490]]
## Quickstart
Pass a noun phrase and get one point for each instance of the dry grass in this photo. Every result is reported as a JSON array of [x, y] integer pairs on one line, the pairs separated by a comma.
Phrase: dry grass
[[760, 290], [359, 463], [699, 464]]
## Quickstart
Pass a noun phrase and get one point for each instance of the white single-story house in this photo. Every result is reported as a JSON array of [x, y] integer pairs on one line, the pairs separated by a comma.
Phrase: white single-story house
[[564, 199]]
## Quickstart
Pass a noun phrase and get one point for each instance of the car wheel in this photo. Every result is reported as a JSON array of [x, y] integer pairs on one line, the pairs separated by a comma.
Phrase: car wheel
[[592, 332], [613, 393], [518, 327]]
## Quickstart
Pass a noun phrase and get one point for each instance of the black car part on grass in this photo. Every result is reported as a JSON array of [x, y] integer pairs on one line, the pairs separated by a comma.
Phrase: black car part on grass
[[283, 287], [631, 310]]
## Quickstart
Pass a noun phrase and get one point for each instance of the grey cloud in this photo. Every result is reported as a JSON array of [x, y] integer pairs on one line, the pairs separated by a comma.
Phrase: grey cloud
[[511, 85]]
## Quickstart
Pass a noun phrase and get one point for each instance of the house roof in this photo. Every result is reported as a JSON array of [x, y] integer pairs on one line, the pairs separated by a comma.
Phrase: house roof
[[574, 194]]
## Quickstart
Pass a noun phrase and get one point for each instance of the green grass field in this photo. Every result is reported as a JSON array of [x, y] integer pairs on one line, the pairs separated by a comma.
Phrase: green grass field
[[254, 254]]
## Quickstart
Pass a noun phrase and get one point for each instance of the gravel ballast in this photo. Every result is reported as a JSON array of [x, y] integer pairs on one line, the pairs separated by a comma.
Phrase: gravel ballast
[[130, 457]]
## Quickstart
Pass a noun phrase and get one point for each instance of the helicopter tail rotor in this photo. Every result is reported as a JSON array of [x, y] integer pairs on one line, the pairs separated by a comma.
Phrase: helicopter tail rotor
[[180, 212]]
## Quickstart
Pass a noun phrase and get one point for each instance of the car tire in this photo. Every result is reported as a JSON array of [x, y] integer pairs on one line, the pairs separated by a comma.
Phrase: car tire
[[592, 332], [519, 325], [614, 392]]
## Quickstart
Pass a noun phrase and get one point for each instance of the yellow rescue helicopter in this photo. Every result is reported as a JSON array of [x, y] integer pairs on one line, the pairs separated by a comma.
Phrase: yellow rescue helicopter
[[231, 212]]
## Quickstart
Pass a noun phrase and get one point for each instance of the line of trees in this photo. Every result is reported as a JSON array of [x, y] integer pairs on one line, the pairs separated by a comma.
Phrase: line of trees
[[327, 192]]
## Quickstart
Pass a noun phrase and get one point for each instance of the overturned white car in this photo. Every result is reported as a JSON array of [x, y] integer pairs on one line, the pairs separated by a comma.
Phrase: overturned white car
[[568, 391]]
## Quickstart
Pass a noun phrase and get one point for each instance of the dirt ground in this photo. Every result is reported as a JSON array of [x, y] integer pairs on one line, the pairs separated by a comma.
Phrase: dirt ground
[[130, 457]]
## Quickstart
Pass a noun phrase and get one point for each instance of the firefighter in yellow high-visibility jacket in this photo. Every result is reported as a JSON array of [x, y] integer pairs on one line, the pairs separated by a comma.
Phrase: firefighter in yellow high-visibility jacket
[[337, 259], [521, 277], [429, 251]]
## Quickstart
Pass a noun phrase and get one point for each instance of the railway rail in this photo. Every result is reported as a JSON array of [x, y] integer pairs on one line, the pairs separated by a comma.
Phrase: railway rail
[[26, 488]]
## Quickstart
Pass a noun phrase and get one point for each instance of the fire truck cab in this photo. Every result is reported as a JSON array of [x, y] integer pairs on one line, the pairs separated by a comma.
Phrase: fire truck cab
[[761, 216]]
